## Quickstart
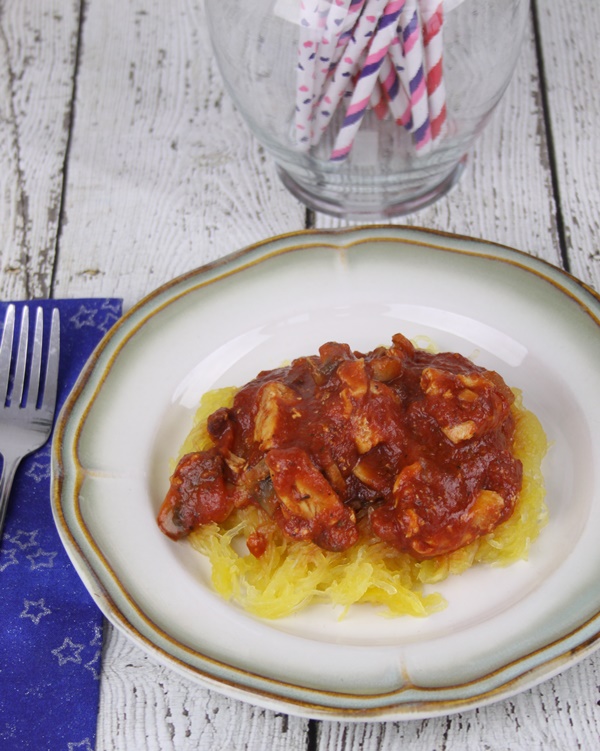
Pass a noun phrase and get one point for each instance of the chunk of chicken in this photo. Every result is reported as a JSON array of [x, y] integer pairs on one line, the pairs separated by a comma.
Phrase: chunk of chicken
[[308, 503], [465, 405], [274, 402], [425, 518]]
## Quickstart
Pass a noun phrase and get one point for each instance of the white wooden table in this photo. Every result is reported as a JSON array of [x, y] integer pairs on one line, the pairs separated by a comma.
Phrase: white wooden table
[[123, 164]]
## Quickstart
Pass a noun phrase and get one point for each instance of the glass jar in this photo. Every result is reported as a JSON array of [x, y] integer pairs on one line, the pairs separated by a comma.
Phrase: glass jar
[[368, 107]]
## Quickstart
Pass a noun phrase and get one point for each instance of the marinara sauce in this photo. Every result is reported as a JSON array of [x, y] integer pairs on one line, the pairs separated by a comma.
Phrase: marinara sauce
[[414, 446]]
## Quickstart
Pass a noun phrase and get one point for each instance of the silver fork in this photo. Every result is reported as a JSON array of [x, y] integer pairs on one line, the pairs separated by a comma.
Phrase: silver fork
[[25, 421]]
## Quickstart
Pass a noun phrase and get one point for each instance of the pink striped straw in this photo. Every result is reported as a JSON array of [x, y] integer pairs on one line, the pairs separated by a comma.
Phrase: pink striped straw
[[378, 102], [396, 55], [369, 75], [433, 19], [398, 100], [363, 32], [412, 43]]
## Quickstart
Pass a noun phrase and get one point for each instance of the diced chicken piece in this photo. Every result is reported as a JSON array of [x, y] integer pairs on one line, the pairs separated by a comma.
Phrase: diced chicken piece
[[463, 431], [309, 505], [301, 488], [354, 374], [332, 354], [274, 398], [465, 405], [402, 347], [385, 367], [366, 433], [485, 511], [373, 420]]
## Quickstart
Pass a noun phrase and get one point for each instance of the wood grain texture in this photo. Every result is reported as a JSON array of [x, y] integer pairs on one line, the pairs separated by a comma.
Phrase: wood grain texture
[[571, 61], [38, 43], [144, 705], [560, 714], [163, 175]]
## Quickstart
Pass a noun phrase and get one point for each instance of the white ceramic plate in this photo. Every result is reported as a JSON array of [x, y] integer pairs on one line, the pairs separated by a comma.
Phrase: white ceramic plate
[[503, 630]]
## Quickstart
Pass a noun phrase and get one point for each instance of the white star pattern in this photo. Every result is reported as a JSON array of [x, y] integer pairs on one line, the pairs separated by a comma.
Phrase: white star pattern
[[38, 471], [7, 558], [68, 652], [107, 322], [113, 306], [35, 609], [97, 640], [84, 745], [24, 539], [83, 317], [94, 665], [41, 559]]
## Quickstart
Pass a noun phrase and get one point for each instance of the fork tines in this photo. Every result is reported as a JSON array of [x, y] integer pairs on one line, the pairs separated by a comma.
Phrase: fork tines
[[23, 389]]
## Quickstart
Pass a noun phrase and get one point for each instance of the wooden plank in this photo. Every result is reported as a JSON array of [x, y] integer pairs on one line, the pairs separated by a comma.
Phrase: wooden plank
[[571, 60], [38, 43], [559, 714], [144, 705], [163, 175]]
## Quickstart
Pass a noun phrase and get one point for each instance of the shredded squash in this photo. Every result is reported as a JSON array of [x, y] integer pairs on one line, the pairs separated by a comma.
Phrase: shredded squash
[[290, 575]]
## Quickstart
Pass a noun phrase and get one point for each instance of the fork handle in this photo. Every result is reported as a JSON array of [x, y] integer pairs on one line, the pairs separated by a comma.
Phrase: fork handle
[[6, 480]]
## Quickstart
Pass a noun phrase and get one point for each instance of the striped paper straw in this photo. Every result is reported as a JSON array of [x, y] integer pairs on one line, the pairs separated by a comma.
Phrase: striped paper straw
[[396, 54], [305, 71], [432, 20], [343, 71], [398, 100], [378, 102], [412, 43], [369, 75]]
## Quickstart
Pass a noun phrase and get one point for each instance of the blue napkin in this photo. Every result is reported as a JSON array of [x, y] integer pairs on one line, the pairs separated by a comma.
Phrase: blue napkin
[[50, 629]]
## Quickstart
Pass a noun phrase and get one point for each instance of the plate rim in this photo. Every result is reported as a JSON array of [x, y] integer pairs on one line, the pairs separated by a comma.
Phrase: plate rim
[[137, 317]]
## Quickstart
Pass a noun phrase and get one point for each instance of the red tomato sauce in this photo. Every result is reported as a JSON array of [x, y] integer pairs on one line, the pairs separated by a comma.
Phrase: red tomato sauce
[[416, 446]]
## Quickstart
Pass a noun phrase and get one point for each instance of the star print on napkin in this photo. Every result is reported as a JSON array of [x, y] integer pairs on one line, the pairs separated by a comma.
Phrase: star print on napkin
[[50, 629]]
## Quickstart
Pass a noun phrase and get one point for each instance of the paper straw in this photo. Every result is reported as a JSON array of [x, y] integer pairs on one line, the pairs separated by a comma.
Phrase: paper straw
[[378, 102], [396, 54], [337, 17], [305, 71], [412, 43], [369, 75], [398, 100], [354, 11], [338, 84], [345, 29], [432, 20]]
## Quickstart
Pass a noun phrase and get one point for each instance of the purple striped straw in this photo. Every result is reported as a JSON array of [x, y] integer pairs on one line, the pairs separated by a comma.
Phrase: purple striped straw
[[398, 100], [344, 70], [413, 54], [369, 75]]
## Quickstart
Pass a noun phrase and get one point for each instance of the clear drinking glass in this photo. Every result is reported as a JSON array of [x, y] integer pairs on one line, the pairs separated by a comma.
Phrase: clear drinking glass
[[368, 107]]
